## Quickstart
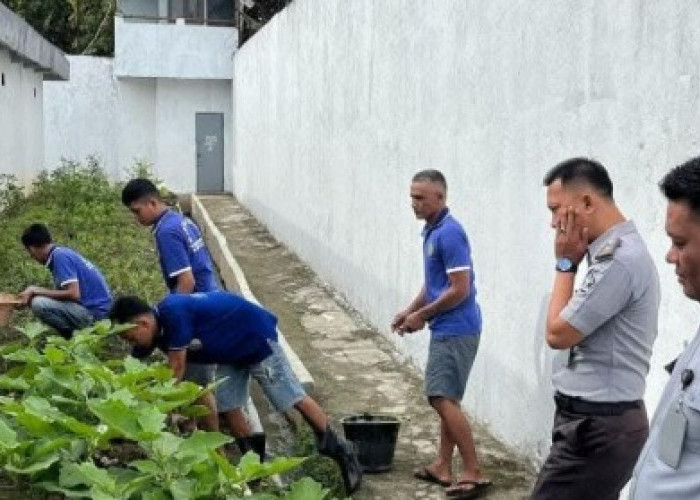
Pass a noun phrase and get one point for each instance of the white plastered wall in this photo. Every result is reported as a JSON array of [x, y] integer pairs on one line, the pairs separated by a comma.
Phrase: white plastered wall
[[21, 125], [341, 101], [127, 119]]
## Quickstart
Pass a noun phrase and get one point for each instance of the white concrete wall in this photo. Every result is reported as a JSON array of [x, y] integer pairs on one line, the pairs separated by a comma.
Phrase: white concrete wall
[[339, 102], [126, 119], [173, 50], [21, 119]]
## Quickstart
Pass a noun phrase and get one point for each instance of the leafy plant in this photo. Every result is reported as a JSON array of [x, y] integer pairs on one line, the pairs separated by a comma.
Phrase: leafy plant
[[76, 417], [63, 406]]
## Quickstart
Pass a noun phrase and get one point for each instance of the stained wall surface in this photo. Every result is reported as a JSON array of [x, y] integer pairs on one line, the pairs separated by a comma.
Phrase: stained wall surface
[[338, 102]]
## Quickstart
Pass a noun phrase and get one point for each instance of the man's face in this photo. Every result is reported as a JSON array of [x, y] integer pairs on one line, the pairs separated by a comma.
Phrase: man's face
[[560, 197], [427, 199], [683, 227], [143, 333], [37, 254], [145, 210]]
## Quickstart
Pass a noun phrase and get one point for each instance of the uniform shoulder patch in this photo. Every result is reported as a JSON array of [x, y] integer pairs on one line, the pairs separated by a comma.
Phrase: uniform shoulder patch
[[607, 251]]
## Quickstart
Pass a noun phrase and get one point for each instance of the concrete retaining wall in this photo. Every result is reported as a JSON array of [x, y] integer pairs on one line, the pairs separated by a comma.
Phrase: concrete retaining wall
[[339, 102]]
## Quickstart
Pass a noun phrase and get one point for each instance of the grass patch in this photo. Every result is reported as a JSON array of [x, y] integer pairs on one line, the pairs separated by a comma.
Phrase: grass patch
[[82, 210]]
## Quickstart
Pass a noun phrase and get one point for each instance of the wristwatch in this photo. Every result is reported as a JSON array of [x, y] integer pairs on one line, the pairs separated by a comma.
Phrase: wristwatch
[[566, 265]]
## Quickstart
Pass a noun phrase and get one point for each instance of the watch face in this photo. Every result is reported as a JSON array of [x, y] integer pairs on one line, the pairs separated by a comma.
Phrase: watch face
[[564, 263]]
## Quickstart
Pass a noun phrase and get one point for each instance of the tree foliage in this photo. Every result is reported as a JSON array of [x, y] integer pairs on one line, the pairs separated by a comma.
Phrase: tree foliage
[[75, 26]]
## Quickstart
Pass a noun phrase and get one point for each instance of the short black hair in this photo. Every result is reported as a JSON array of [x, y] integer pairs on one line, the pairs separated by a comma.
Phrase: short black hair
[[431, 175], [682, 183], [584, 170], [126, 308], [137, 189], [36, 235]]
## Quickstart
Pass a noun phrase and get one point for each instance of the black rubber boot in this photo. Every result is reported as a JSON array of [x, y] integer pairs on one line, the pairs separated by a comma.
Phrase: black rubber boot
[[343, 452], [254, 442]]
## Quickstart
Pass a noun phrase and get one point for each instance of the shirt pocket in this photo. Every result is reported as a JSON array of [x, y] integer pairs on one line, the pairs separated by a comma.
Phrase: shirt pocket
[[691, 409]]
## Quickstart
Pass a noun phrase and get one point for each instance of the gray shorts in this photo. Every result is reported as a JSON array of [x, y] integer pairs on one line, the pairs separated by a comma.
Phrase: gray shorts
[[450, 360], [275, 376]]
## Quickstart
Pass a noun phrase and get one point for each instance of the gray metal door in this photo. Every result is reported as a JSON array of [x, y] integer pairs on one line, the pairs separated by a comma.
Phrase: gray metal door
[[209, 129]]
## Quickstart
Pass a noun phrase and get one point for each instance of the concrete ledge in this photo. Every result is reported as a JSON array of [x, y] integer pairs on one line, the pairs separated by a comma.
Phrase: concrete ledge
[[30, 47], [234, 278]]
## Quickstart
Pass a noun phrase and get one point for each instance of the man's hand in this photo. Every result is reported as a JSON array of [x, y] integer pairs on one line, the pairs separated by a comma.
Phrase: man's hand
[[398, 321], [26, 295], [571, 239], [413, 323]]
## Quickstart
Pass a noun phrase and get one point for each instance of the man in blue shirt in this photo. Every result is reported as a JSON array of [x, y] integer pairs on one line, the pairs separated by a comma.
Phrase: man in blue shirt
[[447, 302], [81, 295], [241, 337], [184, 258], [184, 262]]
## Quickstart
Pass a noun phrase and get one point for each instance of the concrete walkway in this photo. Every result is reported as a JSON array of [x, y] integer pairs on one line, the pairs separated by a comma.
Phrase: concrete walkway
[[355, 369]]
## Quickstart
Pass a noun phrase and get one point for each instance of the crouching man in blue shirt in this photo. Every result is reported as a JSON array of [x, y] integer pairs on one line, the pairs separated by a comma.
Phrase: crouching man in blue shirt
[[241, 337], [81, 295]]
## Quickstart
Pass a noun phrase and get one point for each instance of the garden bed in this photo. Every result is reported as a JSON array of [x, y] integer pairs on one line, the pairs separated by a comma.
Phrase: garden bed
[[76, 417]]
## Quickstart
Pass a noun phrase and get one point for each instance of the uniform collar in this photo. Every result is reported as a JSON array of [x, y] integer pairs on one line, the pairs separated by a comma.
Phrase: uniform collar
[[160, 219], [49, 259], [617, 231], [444, 213]]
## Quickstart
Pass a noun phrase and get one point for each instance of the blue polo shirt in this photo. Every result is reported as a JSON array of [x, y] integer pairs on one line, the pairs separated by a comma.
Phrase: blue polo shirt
[[68, 266], [230, 329], [181, 248], [445, 250]]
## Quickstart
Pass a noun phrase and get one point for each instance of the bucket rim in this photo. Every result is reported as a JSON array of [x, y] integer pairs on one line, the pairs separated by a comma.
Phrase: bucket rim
[[390, 419]]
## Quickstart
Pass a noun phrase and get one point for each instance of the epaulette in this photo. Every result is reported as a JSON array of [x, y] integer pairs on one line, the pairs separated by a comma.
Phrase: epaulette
[[607, 251]]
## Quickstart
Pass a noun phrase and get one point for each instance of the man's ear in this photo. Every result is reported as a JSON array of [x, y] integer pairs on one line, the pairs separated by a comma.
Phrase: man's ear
[[588, 204]]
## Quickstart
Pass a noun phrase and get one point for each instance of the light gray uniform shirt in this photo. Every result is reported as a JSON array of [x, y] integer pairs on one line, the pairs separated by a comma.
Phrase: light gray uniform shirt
[[653, 478], [616, 310]]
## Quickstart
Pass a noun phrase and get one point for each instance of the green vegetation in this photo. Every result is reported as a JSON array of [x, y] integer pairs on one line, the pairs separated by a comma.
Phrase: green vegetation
[[75, 26], [77, 419], [65, 408], [82, 210]]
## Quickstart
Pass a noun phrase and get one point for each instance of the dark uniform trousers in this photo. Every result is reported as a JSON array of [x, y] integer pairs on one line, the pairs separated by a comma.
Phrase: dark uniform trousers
[[594, 449]]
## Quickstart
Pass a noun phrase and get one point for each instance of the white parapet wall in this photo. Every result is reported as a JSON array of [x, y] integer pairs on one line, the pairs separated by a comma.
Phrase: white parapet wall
[[338, 102]]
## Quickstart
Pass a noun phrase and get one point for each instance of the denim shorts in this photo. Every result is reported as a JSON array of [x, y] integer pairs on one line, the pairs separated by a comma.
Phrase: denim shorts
[[450, 360], [274, 374], [199, 373]]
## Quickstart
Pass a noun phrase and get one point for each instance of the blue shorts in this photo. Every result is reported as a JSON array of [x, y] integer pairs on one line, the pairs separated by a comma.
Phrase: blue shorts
[[274, 375], [200, 374], [450, 360]]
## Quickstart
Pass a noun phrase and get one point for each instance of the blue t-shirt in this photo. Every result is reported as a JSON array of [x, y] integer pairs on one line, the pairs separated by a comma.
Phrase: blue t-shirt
[[68, 266], [446, 249], [228, 328], [181, 248]]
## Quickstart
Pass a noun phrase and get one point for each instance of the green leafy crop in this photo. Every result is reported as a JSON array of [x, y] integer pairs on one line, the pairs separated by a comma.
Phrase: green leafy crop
[[78, 418]]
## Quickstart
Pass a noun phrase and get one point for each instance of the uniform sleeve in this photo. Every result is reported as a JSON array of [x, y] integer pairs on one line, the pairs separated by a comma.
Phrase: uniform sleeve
[[605, 291], [178, 327], [455, 251], [172, 247], [64, 270]]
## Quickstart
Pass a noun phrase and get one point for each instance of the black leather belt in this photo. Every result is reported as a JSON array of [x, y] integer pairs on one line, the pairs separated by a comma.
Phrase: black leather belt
[[594, 408]]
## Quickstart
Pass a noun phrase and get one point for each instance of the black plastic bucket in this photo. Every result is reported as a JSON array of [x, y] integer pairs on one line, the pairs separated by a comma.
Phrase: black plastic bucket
[[375, 437]]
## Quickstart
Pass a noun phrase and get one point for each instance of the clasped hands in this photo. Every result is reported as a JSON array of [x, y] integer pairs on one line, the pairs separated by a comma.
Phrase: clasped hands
[[405, 322]]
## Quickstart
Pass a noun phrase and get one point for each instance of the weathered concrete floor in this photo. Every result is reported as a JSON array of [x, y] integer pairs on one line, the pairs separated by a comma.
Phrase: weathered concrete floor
[[354, 367]]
